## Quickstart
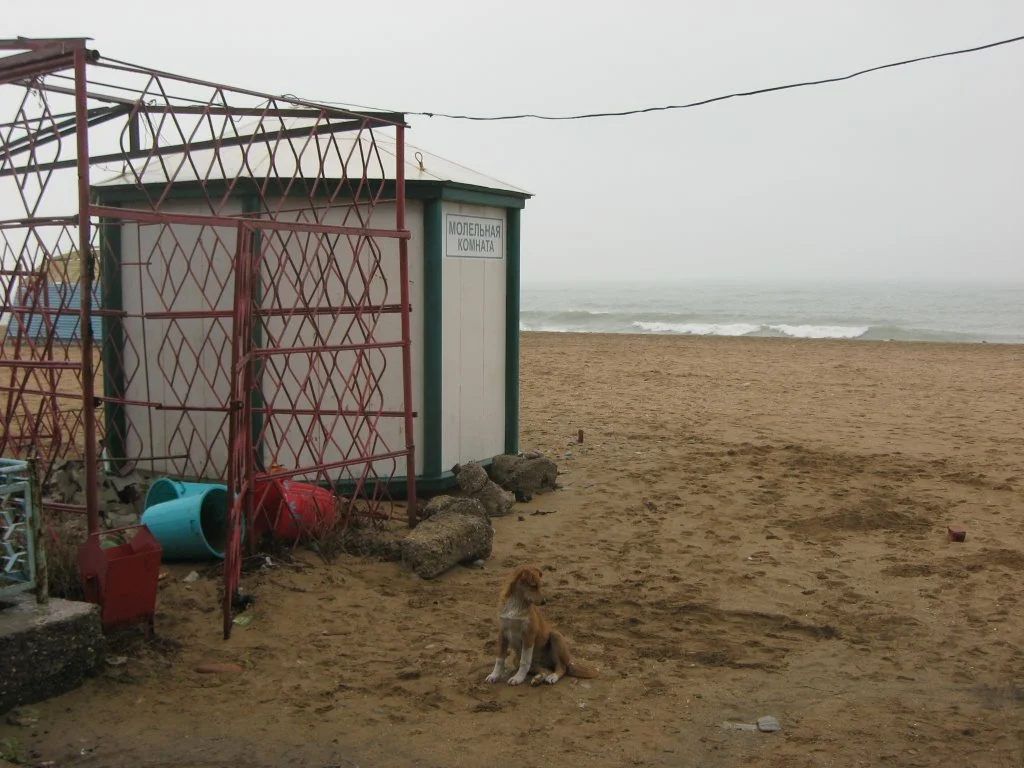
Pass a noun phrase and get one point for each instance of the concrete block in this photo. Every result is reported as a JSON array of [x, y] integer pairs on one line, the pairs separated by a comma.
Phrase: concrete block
[[46, 650]]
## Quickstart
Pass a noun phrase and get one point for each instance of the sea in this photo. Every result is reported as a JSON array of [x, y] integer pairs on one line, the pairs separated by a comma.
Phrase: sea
[[898, 311]]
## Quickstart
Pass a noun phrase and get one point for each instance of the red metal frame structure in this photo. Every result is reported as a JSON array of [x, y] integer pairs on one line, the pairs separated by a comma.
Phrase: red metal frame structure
[[252, 260]]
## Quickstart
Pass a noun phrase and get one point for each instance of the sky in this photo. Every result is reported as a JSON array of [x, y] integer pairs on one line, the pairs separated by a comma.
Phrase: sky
[[906, 174]]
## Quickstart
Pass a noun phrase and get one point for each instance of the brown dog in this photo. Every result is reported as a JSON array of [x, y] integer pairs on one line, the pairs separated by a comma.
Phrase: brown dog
[[542, 651]]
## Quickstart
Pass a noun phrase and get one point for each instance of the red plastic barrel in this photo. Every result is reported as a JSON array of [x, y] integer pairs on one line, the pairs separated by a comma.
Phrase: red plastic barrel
[[293, 511]]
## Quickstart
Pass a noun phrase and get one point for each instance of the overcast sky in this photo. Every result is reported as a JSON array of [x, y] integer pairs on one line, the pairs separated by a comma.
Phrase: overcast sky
[[908, 173]]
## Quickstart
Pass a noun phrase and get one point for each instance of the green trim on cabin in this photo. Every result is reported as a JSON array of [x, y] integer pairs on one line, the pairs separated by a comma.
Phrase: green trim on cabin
[[471, 196], [512, 229], [251, 205], [219, 190], [111, 297], [433, 324], [426, 485], [398, 488]]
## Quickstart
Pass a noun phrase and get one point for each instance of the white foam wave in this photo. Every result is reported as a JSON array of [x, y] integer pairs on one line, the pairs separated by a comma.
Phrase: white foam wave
[[821, 331], [699, 329], [541, 328]]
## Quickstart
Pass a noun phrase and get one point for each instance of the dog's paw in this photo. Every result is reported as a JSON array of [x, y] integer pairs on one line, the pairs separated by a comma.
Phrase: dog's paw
[[493, 677], [517, 680], [551, 679]]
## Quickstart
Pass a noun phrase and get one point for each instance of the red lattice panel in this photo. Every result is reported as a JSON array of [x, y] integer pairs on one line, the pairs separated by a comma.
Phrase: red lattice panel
[[251, 261]]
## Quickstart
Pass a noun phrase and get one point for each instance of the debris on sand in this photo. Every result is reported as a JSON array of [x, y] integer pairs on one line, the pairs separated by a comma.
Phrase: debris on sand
[[471, 477], [528, 474], [445, 540], [219, 669], [458, 504], [729, 726], [474, 483]]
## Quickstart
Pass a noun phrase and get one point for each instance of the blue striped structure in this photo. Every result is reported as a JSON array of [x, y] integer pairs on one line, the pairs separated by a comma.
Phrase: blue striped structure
[[66, 297]]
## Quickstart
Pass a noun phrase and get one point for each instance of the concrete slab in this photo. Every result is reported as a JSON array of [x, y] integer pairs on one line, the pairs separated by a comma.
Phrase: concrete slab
[[46, 650]]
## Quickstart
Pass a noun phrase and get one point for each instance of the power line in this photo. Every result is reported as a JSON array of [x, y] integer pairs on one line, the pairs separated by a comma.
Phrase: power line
[[692, 104]]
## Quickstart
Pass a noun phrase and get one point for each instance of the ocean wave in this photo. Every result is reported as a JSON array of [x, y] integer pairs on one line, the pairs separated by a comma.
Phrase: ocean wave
[[699, 329], [680, 324], [821, 331]]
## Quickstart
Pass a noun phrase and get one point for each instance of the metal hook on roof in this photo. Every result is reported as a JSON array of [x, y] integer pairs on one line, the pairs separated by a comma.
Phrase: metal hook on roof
[[419, 159]]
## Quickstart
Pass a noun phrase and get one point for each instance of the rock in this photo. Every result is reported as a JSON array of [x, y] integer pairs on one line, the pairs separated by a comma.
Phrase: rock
[[369, 541], [768, 724], [471, 477], [132, 483], [957, 533], [461, 505], [534, 476], [729, 726], [522, 497], [495, 500], [219, 669], [66, 486], [445, 540], [121, 515], [524, 474], [23, 717], [109, 495], [502, 468]]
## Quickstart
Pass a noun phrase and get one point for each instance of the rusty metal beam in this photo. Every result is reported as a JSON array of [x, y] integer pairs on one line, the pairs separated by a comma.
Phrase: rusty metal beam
[[36, 43], [96, 116], [40, 61], [198, 146]]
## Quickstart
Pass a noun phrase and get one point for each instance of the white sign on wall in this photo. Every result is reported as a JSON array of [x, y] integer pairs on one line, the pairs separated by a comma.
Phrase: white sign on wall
[[474, 237]]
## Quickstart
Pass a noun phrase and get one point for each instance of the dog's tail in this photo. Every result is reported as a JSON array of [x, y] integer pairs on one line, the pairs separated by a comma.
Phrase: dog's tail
[[578, 670]]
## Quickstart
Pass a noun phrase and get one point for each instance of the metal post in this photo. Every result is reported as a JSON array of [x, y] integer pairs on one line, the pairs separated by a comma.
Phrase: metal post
[[92, 505], [34, 508], [403, 261]]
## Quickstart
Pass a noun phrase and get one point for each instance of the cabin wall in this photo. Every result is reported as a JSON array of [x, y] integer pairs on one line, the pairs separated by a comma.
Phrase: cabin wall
[[189, 358], [182, 364], [377, 379], [474, 252]]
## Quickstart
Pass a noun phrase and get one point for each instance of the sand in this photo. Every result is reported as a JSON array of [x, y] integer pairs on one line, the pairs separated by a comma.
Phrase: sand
[[751, 527]]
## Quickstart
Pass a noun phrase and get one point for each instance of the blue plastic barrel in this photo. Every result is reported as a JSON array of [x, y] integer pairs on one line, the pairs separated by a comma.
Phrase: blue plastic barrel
[[192, 526], [165, 489]]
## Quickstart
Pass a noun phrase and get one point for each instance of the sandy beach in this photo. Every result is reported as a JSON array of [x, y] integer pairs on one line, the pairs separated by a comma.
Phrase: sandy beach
[[751, 527]]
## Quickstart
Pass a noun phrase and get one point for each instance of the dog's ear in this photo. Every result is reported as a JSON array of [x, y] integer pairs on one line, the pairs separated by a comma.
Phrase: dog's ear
[[530, 574]]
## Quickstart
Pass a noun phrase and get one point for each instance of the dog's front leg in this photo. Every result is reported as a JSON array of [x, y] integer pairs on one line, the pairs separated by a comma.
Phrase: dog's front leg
[[525, 662], [499, 670], [499, 661]]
